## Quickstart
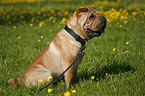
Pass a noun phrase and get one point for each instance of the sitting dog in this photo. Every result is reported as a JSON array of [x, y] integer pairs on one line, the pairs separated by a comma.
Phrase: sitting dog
[[64, 48]]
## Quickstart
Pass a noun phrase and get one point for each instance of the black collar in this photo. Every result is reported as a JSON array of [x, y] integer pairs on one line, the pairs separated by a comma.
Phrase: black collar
[[77, 37]]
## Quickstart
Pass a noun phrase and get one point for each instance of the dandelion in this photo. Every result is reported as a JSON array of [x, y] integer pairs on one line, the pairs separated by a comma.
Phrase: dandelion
[[63, 20], [38, 40], [120, 26], [47, 42], [92, 77], [134, 19], [14, 27], [127, 43], [53, 21], [114, 49], [44, 15], [142, 22], [39, 13], [40, 81], [123, 53], [73, 91], [50, 77], [48, 14], [59, 26], [50, 18], [65, 13], [125, 22], [41, 37], [37, 20], [50, 30], [40, 24], [19, 37], [31, 24], [127, 78], [49, 90], [52, 11], [67, 93], [126, 51]]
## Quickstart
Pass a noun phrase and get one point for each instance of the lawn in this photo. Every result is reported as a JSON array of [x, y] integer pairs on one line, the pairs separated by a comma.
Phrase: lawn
[[114, 63]]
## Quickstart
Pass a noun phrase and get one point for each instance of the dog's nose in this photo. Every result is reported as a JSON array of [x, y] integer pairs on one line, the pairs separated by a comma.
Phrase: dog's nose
[[103, 19]]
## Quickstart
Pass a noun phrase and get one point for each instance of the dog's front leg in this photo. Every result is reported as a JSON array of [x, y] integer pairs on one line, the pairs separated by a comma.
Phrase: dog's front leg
[[70, 76]]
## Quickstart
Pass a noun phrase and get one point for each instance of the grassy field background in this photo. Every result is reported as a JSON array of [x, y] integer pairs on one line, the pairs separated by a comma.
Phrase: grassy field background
[[116, 59]]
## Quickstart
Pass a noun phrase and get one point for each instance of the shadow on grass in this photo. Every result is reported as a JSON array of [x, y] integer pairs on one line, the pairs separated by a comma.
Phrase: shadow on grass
[[106, 70]]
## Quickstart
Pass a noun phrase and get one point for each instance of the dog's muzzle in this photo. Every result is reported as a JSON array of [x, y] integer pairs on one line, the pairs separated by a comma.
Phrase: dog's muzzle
[[100, 30]]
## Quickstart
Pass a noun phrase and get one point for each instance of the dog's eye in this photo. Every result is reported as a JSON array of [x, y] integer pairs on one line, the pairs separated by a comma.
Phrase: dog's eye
[[92, 16]]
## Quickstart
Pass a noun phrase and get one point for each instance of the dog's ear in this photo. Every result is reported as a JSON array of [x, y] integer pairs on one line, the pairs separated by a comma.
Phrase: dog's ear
[[81, 10], [84, 9]]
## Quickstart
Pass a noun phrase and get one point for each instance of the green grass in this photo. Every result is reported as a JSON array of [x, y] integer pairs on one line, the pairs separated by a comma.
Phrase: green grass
[[115, 73]]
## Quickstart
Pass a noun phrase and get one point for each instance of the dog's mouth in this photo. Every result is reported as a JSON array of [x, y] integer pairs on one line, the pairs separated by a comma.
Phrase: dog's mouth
[[92, 33]]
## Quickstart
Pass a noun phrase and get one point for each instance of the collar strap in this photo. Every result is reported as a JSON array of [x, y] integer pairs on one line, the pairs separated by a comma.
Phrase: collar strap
[[77, 37]]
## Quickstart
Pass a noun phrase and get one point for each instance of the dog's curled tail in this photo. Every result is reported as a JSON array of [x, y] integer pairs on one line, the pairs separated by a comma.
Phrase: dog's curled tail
[[15, 82]]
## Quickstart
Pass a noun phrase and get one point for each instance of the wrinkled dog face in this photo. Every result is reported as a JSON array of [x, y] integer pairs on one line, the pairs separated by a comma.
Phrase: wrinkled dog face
[[91, 22]]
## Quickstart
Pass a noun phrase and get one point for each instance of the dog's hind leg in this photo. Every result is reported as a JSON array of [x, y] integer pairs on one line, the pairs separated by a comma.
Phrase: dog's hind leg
[[34, 77]]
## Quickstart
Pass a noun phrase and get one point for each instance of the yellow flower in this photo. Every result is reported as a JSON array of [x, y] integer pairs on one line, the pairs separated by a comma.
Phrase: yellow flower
[[41, 37], [134, 18], [37, 20], [73, 91], [19, 37], [40, 81], [92, 77], [125, 22], [39, 13], [47, 42], [114, 49], [38, 40], [65, 13], [50, 30], [50, 77], [142, 22], [63, 20], [126, 51], [49, 90], [50, 18], [40, 24], [52, 11], [67, 93], [31, 24], [120, 26], [14, 27], [44, 15], [127, 43], [123, 52], [53, 21], [59, 26], [127, 78]]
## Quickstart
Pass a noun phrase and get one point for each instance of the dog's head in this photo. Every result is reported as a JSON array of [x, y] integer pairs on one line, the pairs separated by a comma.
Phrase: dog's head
[[88, 22]]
